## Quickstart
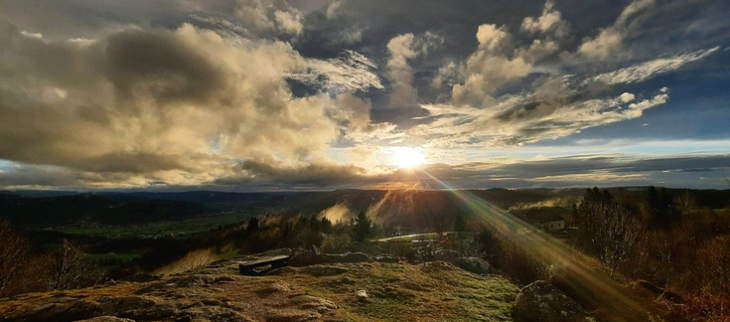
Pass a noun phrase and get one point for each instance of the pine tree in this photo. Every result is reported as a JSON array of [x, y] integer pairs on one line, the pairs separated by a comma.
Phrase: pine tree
[[459, 224], [253, 225], [362, 227]]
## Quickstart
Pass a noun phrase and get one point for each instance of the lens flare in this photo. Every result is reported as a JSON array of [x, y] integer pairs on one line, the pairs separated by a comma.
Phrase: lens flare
[[407, 157], [548, 249]]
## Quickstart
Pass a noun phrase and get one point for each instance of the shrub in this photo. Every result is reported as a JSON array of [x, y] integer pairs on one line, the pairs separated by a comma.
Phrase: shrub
[[339, 243]]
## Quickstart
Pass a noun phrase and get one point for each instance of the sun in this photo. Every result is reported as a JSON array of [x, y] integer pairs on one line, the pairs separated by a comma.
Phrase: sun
[[407, 157]]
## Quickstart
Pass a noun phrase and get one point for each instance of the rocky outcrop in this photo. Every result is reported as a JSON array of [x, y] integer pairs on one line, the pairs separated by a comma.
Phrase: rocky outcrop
[[473, 264], [190, 297], [542, 302]]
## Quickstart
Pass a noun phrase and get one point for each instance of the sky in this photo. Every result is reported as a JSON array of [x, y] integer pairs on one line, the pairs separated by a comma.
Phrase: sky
[[253, 95]]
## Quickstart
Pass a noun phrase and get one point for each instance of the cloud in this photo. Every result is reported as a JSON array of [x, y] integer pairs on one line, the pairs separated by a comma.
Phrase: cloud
[[647, 70], [269, 16], [182, 92], [315, 173], [148, 104], [611, 39], [522, 119], [403, 49], [550, 21], [349, 72]]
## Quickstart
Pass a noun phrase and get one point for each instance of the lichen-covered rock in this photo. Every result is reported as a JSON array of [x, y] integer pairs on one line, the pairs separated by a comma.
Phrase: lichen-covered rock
[[473, 264], [542, 302]]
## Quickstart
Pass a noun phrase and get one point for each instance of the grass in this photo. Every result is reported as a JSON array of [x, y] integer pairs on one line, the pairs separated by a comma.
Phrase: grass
[[403, 292]]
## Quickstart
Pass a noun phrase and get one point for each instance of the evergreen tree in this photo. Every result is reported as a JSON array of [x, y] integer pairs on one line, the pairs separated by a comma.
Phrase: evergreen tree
[[325, 225], [362, 227], [459, 224], [253, 225]]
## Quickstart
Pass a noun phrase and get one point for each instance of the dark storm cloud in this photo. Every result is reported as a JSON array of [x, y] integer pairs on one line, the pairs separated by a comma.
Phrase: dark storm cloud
[[316, 174]]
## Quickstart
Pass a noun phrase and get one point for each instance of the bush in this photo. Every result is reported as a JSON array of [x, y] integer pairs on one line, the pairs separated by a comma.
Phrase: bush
[[339, 243]]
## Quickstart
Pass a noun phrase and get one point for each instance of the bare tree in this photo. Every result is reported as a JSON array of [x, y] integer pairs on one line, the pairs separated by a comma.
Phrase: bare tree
[[14, 250], [71, 267], [608, 229]]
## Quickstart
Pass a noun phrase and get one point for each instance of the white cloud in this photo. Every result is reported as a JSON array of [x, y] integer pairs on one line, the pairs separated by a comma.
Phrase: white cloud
[[627, 97], [550, 21], [402, 49], [652, 68], [611, 39], [351, 71], [262, 16]]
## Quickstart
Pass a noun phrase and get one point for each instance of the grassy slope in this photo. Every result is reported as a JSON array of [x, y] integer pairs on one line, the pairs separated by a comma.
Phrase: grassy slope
[[403, 292]]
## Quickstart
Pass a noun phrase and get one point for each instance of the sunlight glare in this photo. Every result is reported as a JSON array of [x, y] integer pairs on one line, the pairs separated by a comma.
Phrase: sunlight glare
[[408, 157]]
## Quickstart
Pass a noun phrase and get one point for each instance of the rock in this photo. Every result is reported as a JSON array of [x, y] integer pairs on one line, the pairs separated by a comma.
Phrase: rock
[[361, 295], [412, 256], [106, 319], [446, 255], [386, 259], [344, 258], [542, 302], [568, 281], [473, 264]]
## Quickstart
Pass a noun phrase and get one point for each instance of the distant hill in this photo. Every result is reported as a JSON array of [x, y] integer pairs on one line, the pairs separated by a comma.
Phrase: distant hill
[[41, 209], [42, 212]]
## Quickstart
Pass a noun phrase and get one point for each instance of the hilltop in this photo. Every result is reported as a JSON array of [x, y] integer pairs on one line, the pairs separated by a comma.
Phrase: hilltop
[[435, 291]]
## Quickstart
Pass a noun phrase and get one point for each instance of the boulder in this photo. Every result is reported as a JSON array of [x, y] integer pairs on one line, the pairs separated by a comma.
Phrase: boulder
[[446, 255], [473, 264], [571, 283], [542, 302]]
